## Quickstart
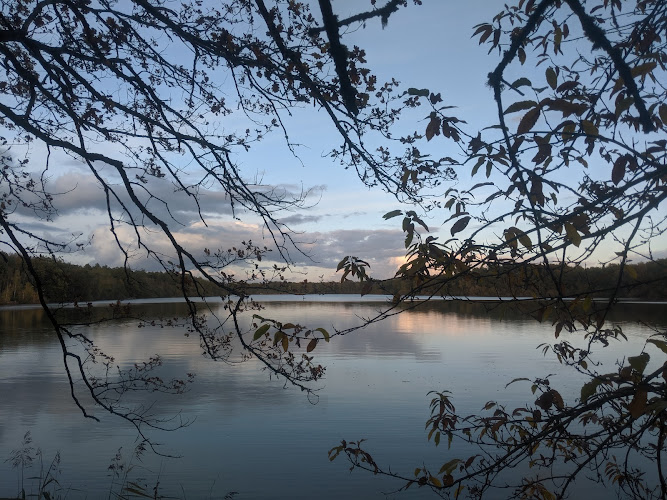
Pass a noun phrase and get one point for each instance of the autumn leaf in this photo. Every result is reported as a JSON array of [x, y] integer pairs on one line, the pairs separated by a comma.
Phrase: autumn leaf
[[393, 213], [639, 362], [460, 225], [558, 399], [521, 54], [572, 234], [418, 92], [618, 172], [521, 82], [261, 331], [552, 79], [660, 344], [433, 127], [588, 389], [589, 128], [520, 106], [524, 239], [528, 121], [638, 404], [342, 264], [662, 110], [643, 69], [567, 86], [324, 332]]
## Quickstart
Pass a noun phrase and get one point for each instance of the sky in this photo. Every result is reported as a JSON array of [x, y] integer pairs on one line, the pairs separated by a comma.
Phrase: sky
[[428, 46]]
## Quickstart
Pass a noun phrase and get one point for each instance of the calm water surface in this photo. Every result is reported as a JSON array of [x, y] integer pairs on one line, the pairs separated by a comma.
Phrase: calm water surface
[[252, 435]]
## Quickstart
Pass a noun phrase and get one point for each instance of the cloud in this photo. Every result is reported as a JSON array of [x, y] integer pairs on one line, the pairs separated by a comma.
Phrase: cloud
[[296, 219], [382, 249], [75, 192], [354, 214], [82, 208]]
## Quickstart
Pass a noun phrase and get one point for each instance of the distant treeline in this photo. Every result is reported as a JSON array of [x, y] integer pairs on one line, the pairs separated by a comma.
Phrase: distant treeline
[[644, 280], [63, 282]]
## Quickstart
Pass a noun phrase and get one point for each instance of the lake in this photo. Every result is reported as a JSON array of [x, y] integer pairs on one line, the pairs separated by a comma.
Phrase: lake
[[252, 435]]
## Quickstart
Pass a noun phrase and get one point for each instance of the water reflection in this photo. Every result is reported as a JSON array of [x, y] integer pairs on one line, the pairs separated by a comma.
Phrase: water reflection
[[246, 426]]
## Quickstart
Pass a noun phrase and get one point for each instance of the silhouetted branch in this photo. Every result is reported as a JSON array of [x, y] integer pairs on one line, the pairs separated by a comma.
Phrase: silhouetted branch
[[383, 13], [338, 53]]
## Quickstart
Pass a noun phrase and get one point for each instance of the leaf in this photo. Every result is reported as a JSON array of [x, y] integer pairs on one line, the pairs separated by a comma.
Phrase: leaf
[[660, 344], [522, 55], [408, 238], [460, 225], [436, 482], [623, 105], [567, 107], [572, 234], [552, 79], [545, 400], [517, 380], [643, 69], [311, 345], [341, 264], [524, 239], [589, 128], [567, 86], [588, 302], [521, 82], [419, 221], [433, 127], [568, 130], [662, 110], [639, 362], [558, 38], [618, 172], [588, 389], [558, 399], [657, 406], [418, 92], [520, 106], [324, 332], [638, 404], [285, 342], [392, 214], [528, 121], [261, 331], [480, 184], [477, 165], [449, 467], [618, 212]]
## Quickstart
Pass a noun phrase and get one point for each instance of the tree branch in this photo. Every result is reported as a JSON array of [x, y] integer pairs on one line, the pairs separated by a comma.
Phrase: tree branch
[[383, 12], [338, 53], [597, 36]]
